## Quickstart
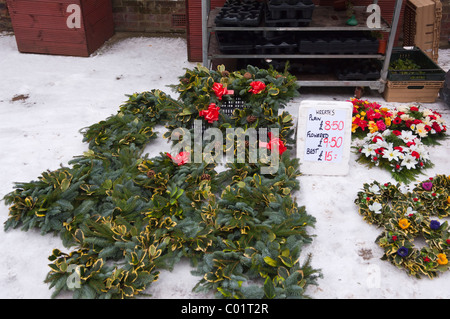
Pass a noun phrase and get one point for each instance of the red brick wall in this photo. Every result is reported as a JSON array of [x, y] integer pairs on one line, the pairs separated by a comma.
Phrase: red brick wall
[[5, 21], [445, 25], [149, 15]]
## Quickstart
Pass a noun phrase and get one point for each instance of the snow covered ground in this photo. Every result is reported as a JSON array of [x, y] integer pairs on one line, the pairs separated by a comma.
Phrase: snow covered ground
[[45, 101]]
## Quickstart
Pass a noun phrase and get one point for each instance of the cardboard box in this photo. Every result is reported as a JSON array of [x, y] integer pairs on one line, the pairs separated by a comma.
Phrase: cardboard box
[[412, 91]]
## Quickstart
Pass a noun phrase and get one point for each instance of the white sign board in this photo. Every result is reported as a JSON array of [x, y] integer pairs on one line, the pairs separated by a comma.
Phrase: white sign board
[[324, 137]]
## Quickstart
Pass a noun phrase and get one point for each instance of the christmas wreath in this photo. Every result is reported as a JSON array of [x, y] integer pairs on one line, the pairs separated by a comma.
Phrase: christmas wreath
[[406, 213], [125, 216]]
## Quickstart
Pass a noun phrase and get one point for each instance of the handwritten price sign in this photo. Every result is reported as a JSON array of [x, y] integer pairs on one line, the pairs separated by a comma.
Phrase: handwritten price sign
[[324, 137]]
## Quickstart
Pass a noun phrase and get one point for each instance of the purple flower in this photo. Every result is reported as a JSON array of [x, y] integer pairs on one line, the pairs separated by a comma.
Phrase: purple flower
[[427, 186], [402, 251], [434, 225]]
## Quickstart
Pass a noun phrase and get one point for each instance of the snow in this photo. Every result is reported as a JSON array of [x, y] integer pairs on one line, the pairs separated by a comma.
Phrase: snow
[[45, 101]]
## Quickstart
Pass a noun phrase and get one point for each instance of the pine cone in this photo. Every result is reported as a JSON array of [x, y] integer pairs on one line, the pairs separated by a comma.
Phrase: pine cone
[[151, 173], [247, 75], [251, 118], [206, 177], [225, 73]]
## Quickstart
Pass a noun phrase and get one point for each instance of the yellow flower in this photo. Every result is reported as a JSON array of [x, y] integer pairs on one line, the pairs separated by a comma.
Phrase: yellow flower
[[448, 199], [404, 223], [387, 120], [442, 259], [354, 128], [363, 113], [373, 127]]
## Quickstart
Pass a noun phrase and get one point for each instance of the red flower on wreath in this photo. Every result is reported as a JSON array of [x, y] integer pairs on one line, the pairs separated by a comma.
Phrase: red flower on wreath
[[257, 87], [181, 159], [211, 114], [273, 143], [219, 90]]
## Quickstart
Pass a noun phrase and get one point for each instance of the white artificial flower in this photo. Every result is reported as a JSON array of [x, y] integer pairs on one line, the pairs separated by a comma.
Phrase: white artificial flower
[[376, 207], [410, 211], [392, 154], [420, 130], [369, 150], [374, 189], [409, 162], [427, 112], [407, 136], [402, 108]]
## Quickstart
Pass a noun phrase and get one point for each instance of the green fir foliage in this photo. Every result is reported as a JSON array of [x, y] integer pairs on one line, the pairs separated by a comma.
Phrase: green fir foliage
[[125, 216]]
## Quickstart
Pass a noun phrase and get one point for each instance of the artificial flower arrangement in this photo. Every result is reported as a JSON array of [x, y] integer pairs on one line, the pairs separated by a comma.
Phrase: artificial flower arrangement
[[395, 139], [369, 117], [400, 152], [424, 122], [406, 212]]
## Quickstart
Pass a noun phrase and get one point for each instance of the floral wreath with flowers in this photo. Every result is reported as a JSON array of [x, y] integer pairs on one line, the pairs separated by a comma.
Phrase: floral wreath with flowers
[[371, 117], [406, 213], [424, 122], [400, 152]]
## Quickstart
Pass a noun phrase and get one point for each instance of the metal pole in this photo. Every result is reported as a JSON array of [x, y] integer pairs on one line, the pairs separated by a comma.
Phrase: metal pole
[[205, 35], [395, 19]]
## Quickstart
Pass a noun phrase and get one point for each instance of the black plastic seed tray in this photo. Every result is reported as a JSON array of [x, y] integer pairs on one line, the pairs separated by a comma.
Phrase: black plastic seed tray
[[338, 46], [276, 48], [227, 108], [359, 70], [237, 42], [289, 10], [240, 14], [428, 71]]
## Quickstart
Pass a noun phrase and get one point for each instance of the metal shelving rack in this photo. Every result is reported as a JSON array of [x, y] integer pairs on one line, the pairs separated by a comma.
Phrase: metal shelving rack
[[211, 52]]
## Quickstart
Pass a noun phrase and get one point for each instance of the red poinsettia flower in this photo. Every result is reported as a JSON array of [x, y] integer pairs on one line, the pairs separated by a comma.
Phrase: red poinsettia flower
[[181, 159], [273, 144], [219, 90], [211, 114], [257, 87]]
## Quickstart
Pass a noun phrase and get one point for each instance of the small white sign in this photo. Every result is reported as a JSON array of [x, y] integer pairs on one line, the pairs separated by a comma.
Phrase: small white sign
[[324, 137]]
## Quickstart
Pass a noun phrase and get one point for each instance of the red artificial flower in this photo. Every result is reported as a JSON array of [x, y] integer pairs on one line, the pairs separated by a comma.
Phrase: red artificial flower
[[181, 159], [415, 154], [427, 128], [426, 259], [376, 138], [273, 143], [257, 87], [397, 120], [380, 151], [394, 238], [220, 90], [448, 241], [437, 127], [211, 114], [417, 121], [398, 148], [414, 109], [415, 199]]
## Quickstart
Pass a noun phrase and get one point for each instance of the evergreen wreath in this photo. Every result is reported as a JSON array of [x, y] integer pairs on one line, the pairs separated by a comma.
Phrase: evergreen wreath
[[406, 213], [126, 216]]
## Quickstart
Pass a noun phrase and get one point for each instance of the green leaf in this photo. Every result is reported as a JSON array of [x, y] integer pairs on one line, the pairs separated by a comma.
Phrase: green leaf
[[270, 261]]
